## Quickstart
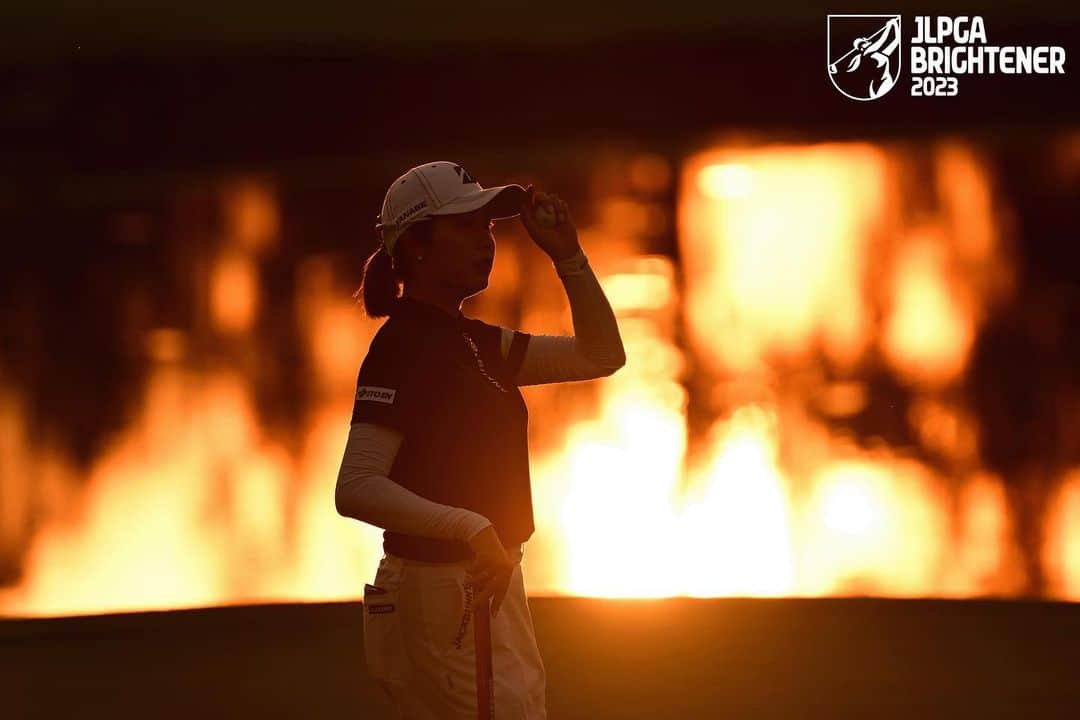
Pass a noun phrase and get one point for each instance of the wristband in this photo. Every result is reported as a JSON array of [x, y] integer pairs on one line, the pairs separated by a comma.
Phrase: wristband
[[572, 265]]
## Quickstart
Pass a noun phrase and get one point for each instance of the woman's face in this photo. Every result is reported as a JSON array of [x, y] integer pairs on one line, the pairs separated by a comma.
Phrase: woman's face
[[462, 251]]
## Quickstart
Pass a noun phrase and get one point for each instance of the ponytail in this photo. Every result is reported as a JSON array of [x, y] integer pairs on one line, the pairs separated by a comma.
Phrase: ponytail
[[380, 285], [383, 274]]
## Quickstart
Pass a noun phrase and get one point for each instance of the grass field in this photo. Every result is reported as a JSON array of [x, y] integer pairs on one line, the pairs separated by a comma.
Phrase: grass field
[[672, 658]]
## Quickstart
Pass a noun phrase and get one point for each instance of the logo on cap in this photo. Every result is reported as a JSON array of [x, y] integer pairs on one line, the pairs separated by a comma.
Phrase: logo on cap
[[464, 174], [409, 212]]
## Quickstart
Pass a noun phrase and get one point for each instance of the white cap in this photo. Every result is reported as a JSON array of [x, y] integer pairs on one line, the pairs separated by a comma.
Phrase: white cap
[[439, 188]]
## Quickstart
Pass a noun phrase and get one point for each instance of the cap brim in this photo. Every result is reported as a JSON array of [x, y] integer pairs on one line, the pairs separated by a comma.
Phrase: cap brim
[[504, 201]]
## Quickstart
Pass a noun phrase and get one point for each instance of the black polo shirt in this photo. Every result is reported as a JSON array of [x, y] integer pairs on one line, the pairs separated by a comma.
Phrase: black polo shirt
[[441, 381]]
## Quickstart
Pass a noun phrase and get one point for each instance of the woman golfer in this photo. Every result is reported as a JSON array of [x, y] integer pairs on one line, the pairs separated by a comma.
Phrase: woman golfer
[[437, 453]]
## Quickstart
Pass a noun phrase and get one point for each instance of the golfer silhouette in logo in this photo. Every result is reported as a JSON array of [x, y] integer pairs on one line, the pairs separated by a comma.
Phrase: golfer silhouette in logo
[[869, 63]]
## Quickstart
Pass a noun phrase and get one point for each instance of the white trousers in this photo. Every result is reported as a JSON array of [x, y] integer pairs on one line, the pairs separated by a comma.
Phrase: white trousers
[[418, 643]]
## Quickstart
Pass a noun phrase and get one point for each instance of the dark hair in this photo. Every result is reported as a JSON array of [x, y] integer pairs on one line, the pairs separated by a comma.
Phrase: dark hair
[[383, 274]]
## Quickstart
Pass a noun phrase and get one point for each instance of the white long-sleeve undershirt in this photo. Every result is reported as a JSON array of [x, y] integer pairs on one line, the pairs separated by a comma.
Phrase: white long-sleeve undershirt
[[594, 350], [366, 492], [364, 489]]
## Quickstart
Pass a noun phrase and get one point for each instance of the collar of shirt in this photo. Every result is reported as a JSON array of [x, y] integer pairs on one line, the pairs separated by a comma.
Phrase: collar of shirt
[[440, 325], [423, 311]]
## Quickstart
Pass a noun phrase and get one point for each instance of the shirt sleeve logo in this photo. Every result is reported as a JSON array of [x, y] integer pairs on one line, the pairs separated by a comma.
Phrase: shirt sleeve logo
[[376, 394]]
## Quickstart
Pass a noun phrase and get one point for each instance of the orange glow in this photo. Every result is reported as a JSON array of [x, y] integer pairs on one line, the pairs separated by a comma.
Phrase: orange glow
[[251, 215], [929, 330], [772, 245], [626, 216], [646, 284], [873, 525], [736, 530], [618, 472], [1062, 549], [234, 294], [986, 560], [191, 507], [944, 428], [726, 180], [15, 462], [251, 226], [335, 329], [791, 254], [166, 345], [650, 173], [967, 203], [802, 282]]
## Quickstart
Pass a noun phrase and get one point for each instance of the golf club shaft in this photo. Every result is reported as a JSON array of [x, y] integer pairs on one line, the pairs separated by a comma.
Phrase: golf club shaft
[[485, 685]]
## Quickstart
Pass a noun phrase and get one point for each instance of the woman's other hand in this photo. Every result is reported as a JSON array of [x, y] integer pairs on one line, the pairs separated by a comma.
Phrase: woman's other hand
[[547, 219], [491, 567]]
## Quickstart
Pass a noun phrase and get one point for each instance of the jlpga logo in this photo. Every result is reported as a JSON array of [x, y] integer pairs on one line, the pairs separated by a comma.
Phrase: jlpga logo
[[863, 54]]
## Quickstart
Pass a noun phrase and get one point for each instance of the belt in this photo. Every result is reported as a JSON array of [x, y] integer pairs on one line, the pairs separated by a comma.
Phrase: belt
[[437, 550], [515, 551]]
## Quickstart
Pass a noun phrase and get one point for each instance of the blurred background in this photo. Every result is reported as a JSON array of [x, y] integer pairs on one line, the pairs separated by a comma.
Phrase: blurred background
[[850, 327]]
